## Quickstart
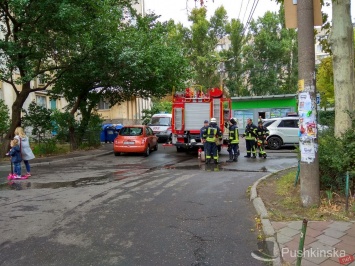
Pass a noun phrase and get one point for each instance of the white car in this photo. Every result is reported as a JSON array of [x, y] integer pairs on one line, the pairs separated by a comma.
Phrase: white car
[[283, 131]]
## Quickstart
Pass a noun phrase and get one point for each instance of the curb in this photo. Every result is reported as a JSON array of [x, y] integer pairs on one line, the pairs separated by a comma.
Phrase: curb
[[261, 210]]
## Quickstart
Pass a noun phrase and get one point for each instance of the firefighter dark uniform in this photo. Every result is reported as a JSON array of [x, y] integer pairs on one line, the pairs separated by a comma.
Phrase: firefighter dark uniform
[[203, 134], [261, 132], [233, 141], [213, 133], [250, 136]]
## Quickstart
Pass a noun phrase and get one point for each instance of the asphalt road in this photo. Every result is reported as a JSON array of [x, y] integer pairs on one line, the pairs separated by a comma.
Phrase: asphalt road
[[166, 209]]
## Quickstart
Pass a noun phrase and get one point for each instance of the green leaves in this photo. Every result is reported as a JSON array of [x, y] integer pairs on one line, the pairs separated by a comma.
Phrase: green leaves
[[4, 118], [325, 82], [271, 59], [37, 117]]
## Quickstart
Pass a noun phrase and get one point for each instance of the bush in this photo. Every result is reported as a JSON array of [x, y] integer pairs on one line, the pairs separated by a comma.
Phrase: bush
[[46, 147], [327, 118], [336, 157], [61, 123], [37, 117]]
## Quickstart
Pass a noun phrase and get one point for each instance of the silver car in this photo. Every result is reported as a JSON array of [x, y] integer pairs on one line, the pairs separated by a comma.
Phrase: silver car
[[283, 131]]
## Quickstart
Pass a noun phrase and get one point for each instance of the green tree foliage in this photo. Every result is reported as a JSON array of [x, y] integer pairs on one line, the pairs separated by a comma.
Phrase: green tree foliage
[[233, 64], [46, 38], [123, 66], [39, 118], [4, 119], [61, 122], [201, 41], [325, 82], [271, 57]]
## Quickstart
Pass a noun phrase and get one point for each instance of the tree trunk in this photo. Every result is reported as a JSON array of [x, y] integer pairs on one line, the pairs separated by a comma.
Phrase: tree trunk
[[309, 168], [341, 40], [15, 118]]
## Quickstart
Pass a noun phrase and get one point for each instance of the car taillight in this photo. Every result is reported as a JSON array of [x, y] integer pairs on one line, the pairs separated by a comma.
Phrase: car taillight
[[143, 140]]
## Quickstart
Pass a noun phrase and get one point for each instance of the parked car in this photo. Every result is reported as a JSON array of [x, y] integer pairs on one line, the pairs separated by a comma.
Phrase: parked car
[[161, 125], [283, 131], [137, 139]]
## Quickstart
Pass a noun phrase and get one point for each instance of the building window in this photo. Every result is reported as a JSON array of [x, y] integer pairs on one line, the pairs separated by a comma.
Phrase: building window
[[53, 104], [41, 101], [319, 48], [103, 105], [40, 80]]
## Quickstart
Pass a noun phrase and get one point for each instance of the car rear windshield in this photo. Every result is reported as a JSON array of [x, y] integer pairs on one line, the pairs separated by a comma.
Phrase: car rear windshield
[[160, 121], [131, 131]]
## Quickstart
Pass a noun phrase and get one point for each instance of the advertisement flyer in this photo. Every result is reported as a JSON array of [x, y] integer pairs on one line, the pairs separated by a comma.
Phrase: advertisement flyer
[[307, 124], [307, 151]]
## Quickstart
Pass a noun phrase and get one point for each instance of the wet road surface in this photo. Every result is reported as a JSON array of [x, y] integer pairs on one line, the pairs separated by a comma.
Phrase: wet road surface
[[167, 209]]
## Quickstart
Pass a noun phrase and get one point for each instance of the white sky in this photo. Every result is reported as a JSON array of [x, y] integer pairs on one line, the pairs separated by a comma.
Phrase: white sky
[[177, 9]]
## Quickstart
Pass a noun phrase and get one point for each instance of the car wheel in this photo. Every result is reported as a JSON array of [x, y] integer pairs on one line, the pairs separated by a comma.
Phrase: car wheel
[[117, 153], [156, 147], [274, 143], [147, 151]]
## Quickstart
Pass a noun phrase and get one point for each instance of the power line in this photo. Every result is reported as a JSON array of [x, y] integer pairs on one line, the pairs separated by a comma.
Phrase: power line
[[255, 3], [241, 6], [246, 9]]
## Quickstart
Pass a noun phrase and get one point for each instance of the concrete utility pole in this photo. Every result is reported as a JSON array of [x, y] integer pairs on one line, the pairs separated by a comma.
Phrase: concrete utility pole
[[307, 107]]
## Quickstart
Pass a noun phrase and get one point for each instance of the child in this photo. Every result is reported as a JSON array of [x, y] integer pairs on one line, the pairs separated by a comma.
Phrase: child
[[16, 158], [26, 151]]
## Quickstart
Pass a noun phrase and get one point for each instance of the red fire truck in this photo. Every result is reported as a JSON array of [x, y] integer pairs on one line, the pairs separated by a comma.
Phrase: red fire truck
[[190, 108]]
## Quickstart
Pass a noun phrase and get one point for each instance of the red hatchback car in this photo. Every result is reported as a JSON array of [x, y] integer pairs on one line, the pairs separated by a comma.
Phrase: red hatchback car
[[137, 139]]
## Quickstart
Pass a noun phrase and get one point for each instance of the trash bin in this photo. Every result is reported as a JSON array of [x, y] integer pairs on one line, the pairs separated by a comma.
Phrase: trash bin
[[111, 134], [104, 132]]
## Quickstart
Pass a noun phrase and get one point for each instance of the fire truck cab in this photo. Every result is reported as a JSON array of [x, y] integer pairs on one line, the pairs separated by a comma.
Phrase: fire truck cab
[[190, 108]]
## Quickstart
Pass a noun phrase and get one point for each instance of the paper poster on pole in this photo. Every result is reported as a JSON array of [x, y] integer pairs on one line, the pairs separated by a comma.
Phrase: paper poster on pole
[[307, 123], [304, 102], [308, 153]]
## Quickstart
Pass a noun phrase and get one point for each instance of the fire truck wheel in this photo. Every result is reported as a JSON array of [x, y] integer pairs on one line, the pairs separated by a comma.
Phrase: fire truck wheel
[[179, 149], [147, 151]]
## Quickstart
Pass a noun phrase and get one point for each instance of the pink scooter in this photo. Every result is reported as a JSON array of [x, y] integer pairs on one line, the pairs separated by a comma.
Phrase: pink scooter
[[13, 176]]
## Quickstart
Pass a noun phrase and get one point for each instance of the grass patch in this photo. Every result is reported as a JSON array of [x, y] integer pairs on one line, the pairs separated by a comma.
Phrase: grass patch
[[282, 200], [44, 150]]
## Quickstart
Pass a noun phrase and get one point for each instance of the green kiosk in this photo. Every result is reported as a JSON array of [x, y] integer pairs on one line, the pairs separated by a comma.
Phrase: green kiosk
[[266, 107]]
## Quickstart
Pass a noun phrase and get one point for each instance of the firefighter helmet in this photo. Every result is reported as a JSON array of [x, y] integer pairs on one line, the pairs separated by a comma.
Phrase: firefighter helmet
[[233, 121], [213, 120]]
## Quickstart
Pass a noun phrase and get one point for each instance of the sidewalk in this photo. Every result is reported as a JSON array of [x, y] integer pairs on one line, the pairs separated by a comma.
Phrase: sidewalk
[[327, 243], [106, 148], [5, 166]]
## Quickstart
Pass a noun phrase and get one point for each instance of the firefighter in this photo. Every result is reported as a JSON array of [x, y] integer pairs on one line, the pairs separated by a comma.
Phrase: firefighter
[[233, 141], [203, 133], [250, 136], [261, 132], [213, 133]]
